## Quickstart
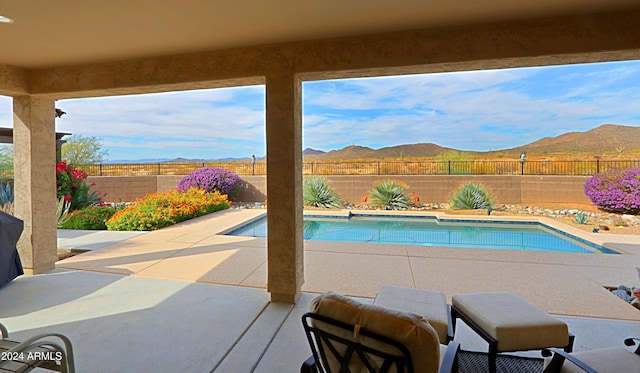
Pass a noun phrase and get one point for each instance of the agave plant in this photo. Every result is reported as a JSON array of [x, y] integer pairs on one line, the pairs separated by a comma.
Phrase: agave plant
[[472, 196], [6, 194], [62, 211], [7, 208], [390, 194], [317, 192], [581, 217]]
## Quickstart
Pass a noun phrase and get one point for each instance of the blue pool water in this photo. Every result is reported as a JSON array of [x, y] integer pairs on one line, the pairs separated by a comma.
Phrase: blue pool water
[[429, 231]]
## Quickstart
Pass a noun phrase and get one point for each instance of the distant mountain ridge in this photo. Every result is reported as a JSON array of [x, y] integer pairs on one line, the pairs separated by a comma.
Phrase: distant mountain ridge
[[606, 140], [356, 151]]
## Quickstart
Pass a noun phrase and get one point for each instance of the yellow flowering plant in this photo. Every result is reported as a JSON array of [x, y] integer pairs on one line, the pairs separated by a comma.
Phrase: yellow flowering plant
[[158, 210]]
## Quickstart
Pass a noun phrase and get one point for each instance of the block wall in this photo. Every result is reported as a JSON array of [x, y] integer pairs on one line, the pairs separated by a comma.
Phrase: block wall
[[508, 189]]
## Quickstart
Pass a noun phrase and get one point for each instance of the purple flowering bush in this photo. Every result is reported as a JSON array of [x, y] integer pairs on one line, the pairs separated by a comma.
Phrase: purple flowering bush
[[615, 190], [212, 179]]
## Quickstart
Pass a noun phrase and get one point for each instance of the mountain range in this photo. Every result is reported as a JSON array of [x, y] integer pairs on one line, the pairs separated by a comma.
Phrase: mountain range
[[606, 141]]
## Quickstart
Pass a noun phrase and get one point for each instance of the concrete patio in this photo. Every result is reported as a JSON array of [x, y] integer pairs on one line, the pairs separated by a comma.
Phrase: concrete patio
[[186, 298]]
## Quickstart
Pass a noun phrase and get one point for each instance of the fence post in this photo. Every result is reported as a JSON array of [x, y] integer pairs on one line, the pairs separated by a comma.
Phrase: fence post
[[158, 168], [100, 169], [449, 172], [378, 168], [597, 165]]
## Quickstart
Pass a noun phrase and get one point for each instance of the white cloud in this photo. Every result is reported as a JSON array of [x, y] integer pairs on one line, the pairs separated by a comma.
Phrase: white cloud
[[503, 108], [193, 124]]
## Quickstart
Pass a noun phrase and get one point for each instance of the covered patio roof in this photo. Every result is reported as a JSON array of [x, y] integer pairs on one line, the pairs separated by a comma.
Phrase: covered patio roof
[[6, 135], [72, 32], [73, 49]]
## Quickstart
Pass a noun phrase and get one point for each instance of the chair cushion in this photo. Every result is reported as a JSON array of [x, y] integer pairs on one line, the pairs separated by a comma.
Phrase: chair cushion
[[432, 305], [604, 360], [412, 330]]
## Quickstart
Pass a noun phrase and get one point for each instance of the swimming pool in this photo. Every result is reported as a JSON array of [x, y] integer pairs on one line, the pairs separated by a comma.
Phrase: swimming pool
[[430, 231]]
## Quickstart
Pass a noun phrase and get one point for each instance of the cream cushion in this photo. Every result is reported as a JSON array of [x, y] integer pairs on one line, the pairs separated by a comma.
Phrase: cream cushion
[[409, 329], [516, 324], [604, 360], [432, 305]]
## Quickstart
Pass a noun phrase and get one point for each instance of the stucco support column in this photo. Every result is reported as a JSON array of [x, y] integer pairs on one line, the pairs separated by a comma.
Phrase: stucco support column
[[34, 142], [285, 272]]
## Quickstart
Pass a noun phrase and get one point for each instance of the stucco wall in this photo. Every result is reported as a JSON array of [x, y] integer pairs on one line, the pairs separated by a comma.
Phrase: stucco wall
[[554, 189], [508, 189], [124, 188]]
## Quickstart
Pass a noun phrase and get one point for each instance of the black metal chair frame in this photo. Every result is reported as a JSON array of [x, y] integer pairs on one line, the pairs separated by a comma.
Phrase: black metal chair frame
[[559, 357], [319, 338]]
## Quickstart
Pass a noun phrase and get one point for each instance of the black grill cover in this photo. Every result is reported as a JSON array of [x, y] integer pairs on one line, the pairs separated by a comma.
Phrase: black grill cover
[[10, 231]]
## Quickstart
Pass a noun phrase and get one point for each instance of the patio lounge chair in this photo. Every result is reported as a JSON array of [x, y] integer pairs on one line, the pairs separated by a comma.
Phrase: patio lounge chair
[[36, 352], [602, 360], [348, 336]]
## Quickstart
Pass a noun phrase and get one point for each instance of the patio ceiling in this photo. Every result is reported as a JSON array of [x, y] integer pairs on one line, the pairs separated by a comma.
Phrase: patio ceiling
[[75, 32]]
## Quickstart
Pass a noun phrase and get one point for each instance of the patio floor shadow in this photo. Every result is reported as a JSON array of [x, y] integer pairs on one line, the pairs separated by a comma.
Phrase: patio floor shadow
[[187, 299]]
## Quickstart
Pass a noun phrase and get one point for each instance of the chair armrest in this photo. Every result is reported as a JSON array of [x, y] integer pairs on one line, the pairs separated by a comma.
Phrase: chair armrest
[[631, 342], [309, 366], [68, 363], [4, 331], [450, 331], [450, 359], [558, 359]]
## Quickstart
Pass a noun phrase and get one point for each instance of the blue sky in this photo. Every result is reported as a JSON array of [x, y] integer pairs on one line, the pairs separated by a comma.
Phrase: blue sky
[[478, 110]]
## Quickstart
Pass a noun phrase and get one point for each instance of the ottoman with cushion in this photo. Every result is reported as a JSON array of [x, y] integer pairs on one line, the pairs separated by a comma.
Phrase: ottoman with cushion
[[432, 305], [509, 323]]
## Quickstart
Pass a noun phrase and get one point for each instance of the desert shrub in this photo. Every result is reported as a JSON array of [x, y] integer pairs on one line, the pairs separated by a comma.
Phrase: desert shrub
[[317, 192], [615, 190], [620, 222], [472, 196], [71, 183], [212, 179], [158, 210], [390, 194], [413, 197], [91, 217]]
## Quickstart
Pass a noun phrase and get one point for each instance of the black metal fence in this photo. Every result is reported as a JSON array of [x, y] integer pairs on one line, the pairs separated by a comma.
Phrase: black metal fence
[[491, 167], [578, 168]]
